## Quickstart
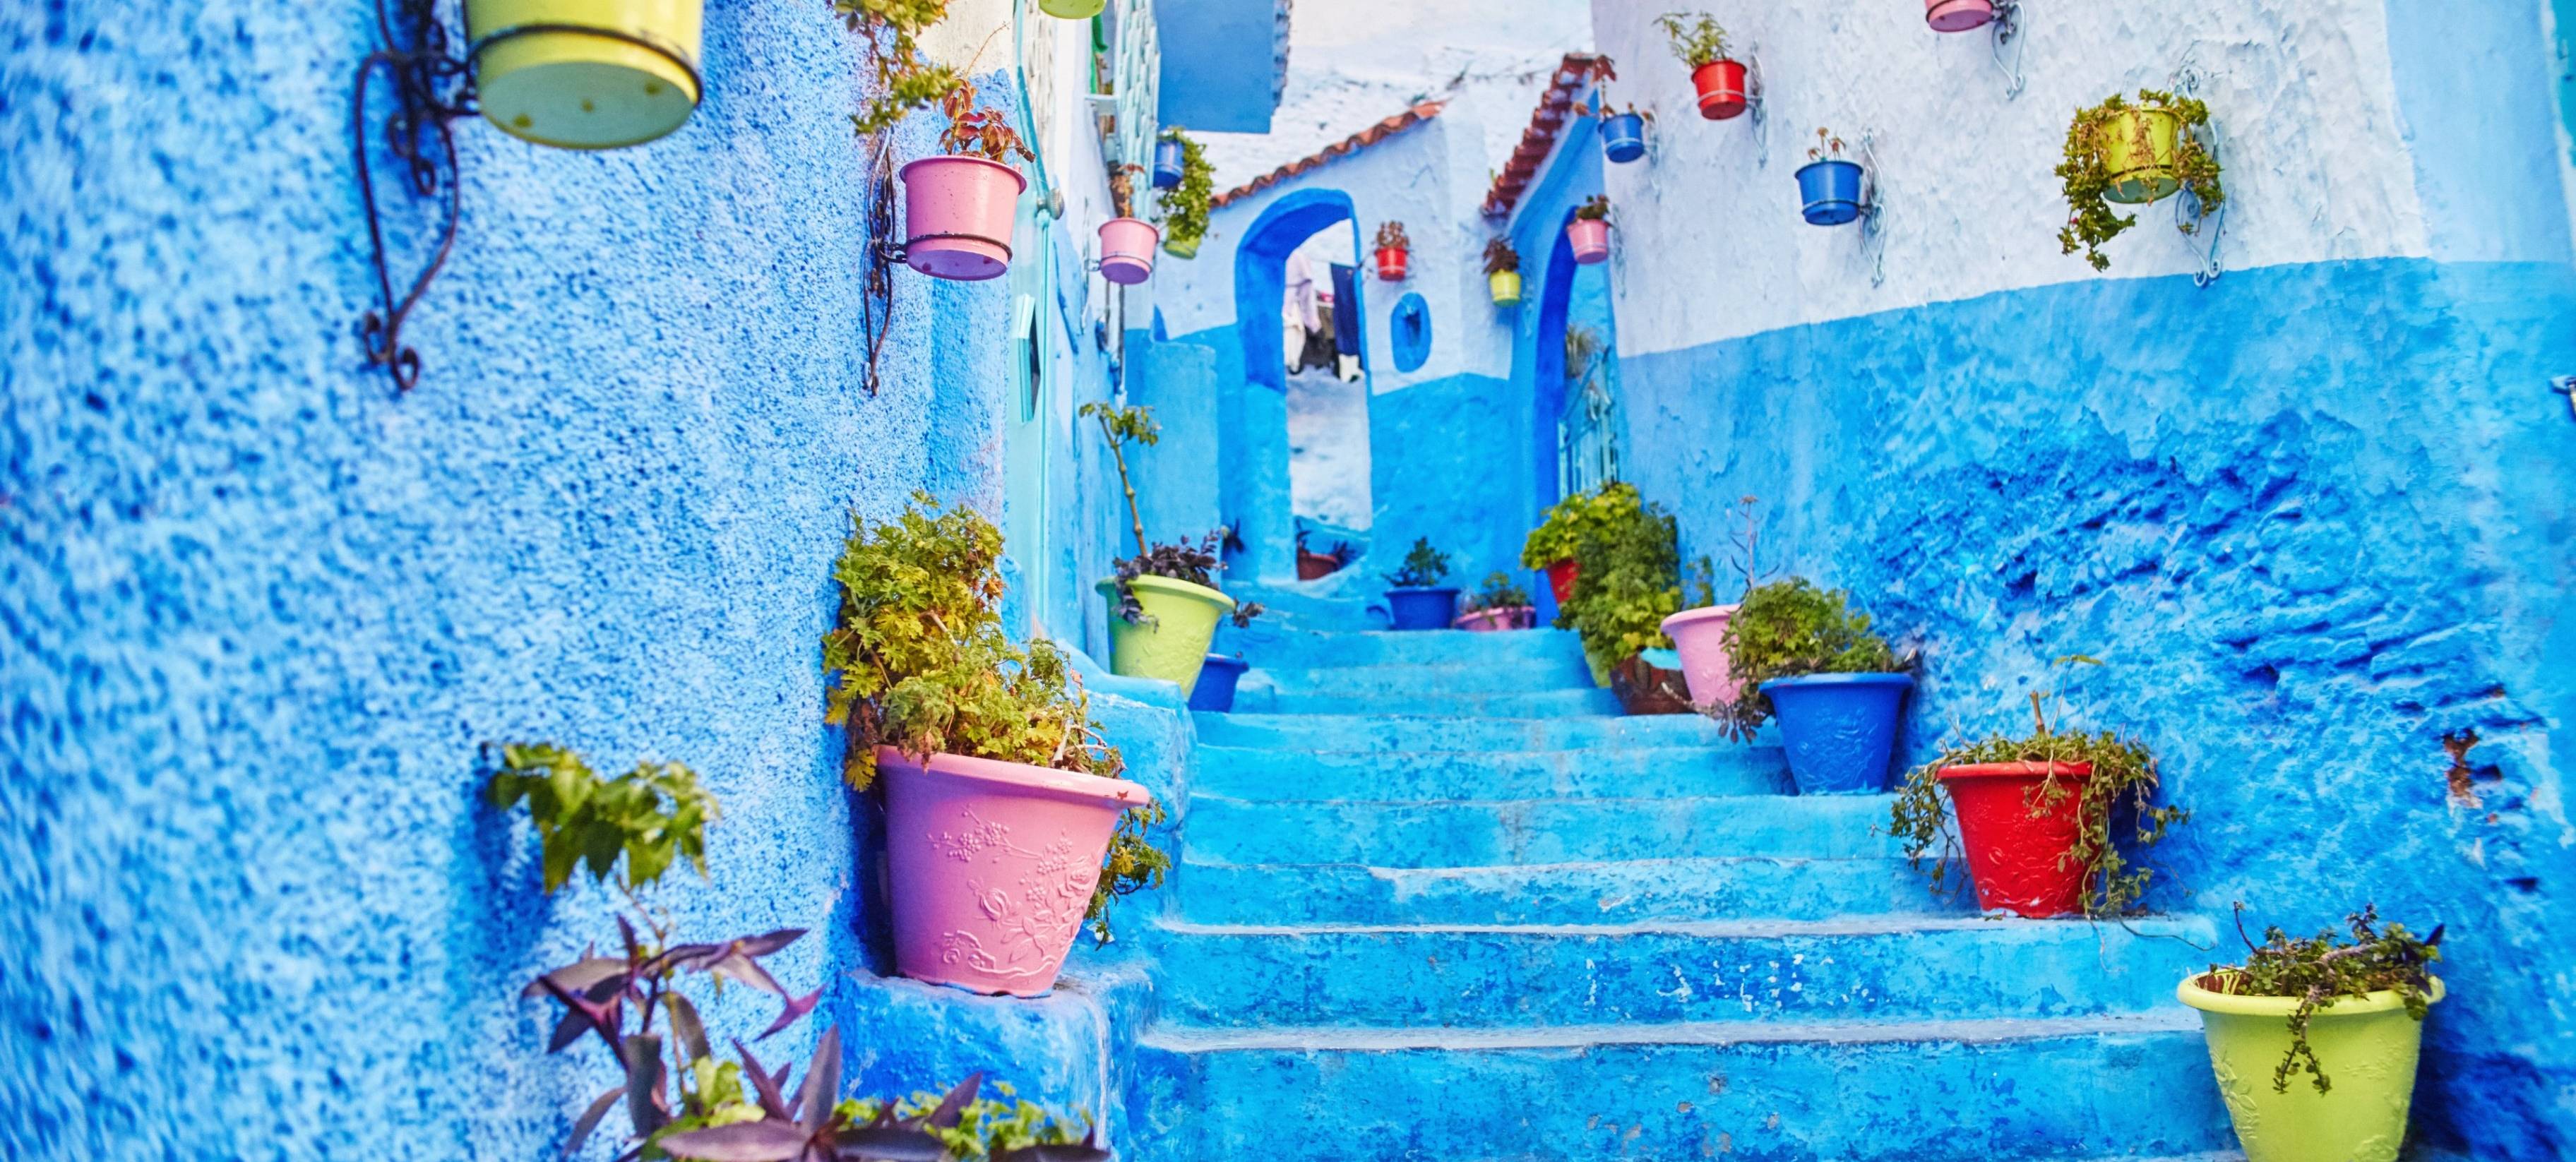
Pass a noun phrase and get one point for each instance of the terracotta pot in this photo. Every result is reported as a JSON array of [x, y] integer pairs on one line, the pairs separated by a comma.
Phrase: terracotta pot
[[1699, 635], [1645, 689], [1560, 580], [1127, 250], [1315, 566], [1721, 89], [957, 215], [1492, 620], [1590, 238], [992, 866], [2021, 863]]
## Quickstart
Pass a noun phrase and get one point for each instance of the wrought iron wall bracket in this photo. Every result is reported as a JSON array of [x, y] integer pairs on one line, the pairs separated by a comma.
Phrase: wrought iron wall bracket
[[1873, 210], [430, 89], [2201, 228], [2008, 34], [1757, 108]]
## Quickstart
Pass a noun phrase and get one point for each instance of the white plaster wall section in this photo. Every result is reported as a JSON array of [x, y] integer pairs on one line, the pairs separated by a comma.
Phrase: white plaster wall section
[[2299, 91]]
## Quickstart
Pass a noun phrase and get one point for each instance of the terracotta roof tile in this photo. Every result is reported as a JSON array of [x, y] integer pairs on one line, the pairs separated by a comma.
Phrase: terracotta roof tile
[[1339, 149], [1555, 111]]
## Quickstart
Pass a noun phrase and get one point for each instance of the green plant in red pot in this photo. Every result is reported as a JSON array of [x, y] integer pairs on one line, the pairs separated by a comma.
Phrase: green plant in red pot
[[1628, 560], [1550, 547], [1700, 43]]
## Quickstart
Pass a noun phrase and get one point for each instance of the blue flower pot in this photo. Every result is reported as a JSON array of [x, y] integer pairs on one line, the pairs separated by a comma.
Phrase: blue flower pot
[[1167, 165], [1623, 137], [1410, 609], [1839, 729], [1217, 677], [1831, 189]]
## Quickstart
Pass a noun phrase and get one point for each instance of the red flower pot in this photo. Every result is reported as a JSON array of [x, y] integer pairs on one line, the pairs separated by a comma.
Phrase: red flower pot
[[1560, 580], [1721, 89], [1958, 15], [1316, 566], [1390, 264], [2022, 864]]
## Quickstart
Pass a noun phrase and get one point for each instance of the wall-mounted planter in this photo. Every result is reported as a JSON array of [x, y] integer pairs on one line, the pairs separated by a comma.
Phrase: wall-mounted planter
[[1590, 238], [1216, 683], [1072, 9], [1699, 636], [1391, 263], [1172, 641], [1182, 248], [2368, 1044], [996, 915], [2017, 859], [957, 213], [1831, 191], [1560, 580], [1506, 285], [1168, 159], [1495, 620], [2138, 149], [1127, 250], [1958, 15], [585, 74], [1623, 137], [1839, 729], [1722, 93], [1416, 609]]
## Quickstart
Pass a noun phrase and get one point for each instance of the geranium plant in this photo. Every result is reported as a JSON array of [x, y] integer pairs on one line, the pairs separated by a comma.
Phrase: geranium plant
[[1696, 37], [2089, 178], [1423, 567], [905, 78], [1791, 628], [2326, 968], [1390, 236], [636, 825], [1829, 144], [1500, 258], [1568, 522], [1628, 554], [1196, 562], [974, 132], [1184, 218]]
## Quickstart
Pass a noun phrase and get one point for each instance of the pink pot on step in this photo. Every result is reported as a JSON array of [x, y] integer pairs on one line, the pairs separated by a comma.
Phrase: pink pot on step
[[1590, 238], [1127, 250], [992, 866], [1699, 636], [1491, 620], [957, 216]]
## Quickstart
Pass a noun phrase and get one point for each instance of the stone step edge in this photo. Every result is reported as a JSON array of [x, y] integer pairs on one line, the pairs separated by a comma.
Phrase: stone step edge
[[1769, 751], [2151, 927], [1463, 871], [1978, 1031], [1879, 800]]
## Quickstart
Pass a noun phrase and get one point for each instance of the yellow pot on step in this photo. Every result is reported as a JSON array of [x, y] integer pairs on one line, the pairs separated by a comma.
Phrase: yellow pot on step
[[586, 74], [1171, 642], [2367, 1046]]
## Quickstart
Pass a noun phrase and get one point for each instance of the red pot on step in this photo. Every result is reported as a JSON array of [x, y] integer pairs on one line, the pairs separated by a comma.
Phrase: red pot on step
[[1721, 89], [1560, 580], [2021, 864]]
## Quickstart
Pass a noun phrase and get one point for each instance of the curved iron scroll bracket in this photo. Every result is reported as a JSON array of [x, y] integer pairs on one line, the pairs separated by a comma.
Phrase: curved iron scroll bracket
[[430, 89], [1757, 107], [2008, 34], [1873, 210], [2201, 228]]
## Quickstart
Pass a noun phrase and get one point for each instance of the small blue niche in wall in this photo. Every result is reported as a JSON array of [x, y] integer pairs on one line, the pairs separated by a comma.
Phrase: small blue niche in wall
[[1409, 329]]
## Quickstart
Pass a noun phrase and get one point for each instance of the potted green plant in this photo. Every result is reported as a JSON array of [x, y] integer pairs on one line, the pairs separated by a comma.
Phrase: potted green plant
[[905, 78], [1417, 600], [2036, 815], [2354, 1003], [1503, 272], [1589, 232], [975, 733], [1501, 604], [1802, 654], [1164, 603], [1699, 632], [2119, 153], [1394, 251], [1628, 561], [1185, 203], [1550, 547], [1700, 43], [959, 207]]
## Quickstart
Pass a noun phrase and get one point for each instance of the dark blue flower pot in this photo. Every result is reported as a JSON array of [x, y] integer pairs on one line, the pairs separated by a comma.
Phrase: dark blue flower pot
[[1831, 189], [1217, 677], [1167, 165], [1839, 729], [1623, 137], [1421, 608]]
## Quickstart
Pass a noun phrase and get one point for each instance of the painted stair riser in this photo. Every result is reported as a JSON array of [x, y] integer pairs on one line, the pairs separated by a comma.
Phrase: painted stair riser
[[1293, 650], [1586, 893], [1431, 701], [1636, 773], [1538, 977], [1312, 732], [1485, 834], [2119, 1095], [1406, 681]]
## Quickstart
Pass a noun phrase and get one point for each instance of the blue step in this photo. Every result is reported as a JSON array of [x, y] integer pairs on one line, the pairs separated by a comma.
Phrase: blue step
[[1518, 976], [1487, 833], [1313, 732], [1559, 893], [1256, 698], [1968, 1091], [1639, 772], [1540, 650], [1373, 681]]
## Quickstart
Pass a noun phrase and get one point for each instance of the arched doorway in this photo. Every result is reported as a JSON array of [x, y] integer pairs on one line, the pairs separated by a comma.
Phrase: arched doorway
[[1574, 420], [1296, 441]]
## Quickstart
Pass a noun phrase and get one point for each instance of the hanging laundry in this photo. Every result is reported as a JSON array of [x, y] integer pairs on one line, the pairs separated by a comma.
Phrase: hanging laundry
[[1297, 310], [1346, 323]]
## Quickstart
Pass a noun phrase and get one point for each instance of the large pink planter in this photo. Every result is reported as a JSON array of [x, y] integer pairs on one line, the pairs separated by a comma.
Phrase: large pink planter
[[957, 216], [1491, 620], [1590, 238], [1127, 250], [1699, 636], [992, 866], [1958, 15]]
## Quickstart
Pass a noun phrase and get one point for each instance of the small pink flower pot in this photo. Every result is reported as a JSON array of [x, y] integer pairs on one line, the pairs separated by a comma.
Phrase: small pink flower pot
[[1491, 620], [957, 215], [1127, 250], [1958, 15], [1590, 238], [992, 866], [1699, 636]]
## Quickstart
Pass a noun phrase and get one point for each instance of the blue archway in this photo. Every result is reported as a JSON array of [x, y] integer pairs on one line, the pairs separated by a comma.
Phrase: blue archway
[[1254, 490]]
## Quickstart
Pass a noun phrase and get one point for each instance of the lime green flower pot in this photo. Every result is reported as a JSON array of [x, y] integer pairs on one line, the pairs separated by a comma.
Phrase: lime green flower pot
[[585, 74], [1172, 641], [2368, 1046], [2138, 148]]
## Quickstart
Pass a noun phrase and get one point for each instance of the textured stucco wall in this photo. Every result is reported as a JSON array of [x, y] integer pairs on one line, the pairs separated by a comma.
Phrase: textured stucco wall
[[260, 612]]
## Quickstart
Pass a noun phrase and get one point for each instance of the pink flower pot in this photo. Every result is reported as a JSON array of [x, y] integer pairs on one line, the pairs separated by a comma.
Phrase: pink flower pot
[[1699, 636], [1958, 15], [1491, 620], [992, 865], [957, 215], [1590, 238], [1127, 250]]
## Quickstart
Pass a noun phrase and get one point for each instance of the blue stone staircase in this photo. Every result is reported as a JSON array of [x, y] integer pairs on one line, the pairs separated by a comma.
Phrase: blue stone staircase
[[1438, 901]]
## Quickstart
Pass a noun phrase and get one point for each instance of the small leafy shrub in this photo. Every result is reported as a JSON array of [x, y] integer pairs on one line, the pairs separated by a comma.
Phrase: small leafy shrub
[[1791, 628], [1627, 577], [651, 816], [905, 78], [1500, 258], [1570, 521], [2325, 968], [1697, 38], [1498, 593], [1185, 207], [1390, 236], [2086, 172], [1196, 562], [2123, 785], [973, 132], [1423, 567], [1594, 209]]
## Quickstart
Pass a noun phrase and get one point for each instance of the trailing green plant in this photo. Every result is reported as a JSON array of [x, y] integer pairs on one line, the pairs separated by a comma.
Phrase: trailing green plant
[[905, 78], [984, 1129], [1697, 38], [1499, 592], [2121, 786], [2325, 968], [974, 132], [1184, 217], [1390, 236], [1423, 567], [1500, 258], [648, 818], [2087, 177], [1791, 628], [1197, 562], [1627, 559], [1567, 522], [1594, 209]]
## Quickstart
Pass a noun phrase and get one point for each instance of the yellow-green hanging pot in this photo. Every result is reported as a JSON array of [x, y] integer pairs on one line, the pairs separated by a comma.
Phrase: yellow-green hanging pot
[[1506, 285], [586, 74], [1072, 9], [2138, 153]]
